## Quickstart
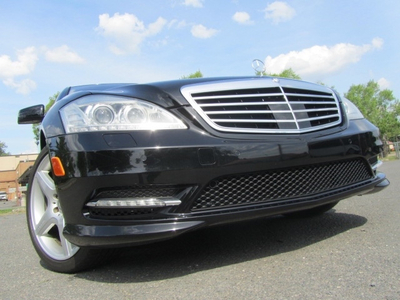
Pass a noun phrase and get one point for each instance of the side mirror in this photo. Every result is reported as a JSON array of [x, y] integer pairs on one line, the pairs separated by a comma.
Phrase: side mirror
[[31, 115]]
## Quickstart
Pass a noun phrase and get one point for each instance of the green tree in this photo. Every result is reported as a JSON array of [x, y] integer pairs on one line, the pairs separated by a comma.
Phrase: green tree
[[287, 73], [3, 148], [196, 74], [378, 106], [35, 127]]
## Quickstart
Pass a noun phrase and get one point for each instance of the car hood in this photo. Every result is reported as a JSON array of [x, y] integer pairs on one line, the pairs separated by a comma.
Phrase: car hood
[[168, 93]]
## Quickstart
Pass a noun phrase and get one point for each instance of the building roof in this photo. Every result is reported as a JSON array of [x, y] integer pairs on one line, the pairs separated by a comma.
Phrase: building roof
[[10, 162], [24, 178]]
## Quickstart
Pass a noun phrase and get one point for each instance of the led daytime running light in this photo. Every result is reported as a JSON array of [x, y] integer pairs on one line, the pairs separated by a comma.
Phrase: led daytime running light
[[134, 202]]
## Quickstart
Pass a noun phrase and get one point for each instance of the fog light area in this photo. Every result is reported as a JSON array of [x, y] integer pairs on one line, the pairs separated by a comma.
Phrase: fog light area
[[135, 202]]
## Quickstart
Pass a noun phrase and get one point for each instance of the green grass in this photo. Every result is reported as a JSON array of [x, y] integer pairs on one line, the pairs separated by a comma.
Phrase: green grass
[[390, 157], [10, 211], [6, 211]]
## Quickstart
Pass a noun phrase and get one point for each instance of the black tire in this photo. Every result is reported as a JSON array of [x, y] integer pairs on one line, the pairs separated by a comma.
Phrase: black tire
[[46, 222], [312, 212]]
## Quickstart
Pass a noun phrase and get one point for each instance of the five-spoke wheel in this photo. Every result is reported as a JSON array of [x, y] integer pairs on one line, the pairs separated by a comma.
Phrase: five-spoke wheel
[[46, 223]]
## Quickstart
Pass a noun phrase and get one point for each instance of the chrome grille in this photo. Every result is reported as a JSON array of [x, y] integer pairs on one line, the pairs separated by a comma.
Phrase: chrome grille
[[264, 106]]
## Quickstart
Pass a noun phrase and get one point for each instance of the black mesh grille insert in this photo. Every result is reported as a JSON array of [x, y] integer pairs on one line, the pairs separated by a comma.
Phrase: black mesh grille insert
[[281, 184], [119, 213]]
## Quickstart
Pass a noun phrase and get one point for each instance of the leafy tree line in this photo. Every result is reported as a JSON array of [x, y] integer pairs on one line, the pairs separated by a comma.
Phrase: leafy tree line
[[378, 106], [3, 148], [196, 74], [287, 73], [35, 127]]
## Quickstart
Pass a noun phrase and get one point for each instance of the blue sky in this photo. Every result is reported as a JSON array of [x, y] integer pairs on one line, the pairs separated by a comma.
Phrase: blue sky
[[48, 45]]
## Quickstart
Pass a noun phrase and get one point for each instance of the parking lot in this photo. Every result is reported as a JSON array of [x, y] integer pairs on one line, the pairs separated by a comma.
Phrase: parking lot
[[352, 252], [8, 205]]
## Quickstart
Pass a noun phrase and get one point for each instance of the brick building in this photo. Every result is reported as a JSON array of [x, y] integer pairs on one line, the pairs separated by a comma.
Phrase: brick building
[[14, 173]]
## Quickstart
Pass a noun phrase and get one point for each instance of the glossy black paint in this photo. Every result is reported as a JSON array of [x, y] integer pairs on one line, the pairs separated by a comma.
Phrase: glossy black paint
[[144, 151], [119, 234], [188, 159], [191, 159], [31, 115]]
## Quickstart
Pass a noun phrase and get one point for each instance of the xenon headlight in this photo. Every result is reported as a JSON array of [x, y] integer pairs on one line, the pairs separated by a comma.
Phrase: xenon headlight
[[352, 111], [113, 113]]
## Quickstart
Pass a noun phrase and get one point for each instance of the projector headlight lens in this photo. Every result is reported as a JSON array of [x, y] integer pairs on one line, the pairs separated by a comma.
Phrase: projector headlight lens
[[113, 113]]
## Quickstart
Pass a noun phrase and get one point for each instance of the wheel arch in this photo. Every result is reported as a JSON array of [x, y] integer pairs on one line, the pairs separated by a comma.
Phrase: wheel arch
[[42, 139]]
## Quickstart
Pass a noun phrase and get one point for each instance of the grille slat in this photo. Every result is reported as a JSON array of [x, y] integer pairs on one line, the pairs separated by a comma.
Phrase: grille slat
[[317, 118], [251, 121], [320, 109], [200, 98], [309, 96], [227, 112], [281, 184], [240, 103]]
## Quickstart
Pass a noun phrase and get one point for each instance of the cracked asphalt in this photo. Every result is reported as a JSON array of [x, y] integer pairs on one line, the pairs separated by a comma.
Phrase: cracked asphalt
[[351, 252]]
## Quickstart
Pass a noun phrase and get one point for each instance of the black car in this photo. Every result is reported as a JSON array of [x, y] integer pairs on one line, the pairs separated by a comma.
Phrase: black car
[[128, 164]]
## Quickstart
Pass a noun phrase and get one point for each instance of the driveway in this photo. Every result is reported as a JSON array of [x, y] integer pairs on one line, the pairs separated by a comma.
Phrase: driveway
[[352, 252]]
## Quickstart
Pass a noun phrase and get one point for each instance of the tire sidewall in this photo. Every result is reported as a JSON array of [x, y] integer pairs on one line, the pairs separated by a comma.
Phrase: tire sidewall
[[66, 266]]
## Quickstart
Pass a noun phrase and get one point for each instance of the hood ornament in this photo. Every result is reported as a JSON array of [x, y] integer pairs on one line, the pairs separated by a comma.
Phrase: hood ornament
[[258, 66]]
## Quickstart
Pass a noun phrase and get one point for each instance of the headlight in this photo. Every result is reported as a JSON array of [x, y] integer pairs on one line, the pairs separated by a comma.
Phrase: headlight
[[352, 111], [106, 113]]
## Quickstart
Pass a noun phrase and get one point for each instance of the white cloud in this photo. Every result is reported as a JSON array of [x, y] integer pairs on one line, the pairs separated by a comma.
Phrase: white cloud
[[23, 87], [320, 60], [63, 54], [177, 24], [383, 83], [279, 11], [242, 17], [202, 32], [127, 31], [25, 63], [377, 43], [194, 3]]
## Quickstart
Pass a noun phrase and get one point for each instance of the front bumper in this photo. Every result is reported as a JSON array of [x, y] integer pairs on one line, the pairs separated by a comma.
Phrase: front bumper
[[188, 162], [158, 230]]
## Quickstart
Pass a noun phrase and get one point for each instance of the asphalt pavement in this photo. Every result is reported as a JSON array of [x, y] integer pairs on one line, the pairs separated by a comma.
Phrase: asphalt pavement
[[351, 252], [8, 205]]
